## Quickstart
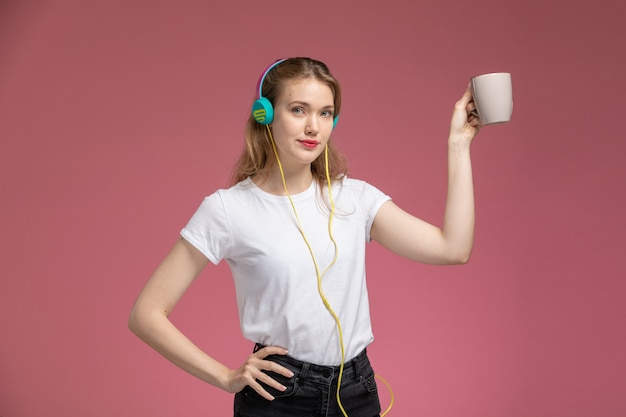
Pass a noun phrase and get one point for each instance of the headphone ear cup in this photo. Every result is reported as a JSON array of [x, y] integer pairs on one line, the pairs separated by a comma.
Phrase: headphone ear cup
[[263, 111], [335, 120]]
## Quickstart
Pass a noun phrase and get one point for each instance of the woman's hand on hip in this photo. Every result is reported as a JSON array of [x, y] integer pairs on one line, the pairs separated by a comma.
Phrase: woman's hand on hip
[[251, 372]]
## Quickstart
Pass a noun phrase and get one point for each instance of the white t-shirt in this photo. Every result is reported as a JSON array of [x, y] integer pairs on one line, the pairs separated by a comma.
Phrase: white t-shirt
[[274, 274]]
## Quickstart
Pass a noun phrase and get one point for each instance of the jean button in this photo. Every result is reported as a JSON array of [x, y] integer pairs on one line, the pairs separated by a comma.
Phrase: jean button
[[326, 373]]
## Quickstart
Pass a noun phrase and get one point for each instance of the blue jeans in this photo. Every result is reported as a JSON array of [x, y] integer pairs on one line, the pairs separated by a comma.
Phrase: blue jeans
[[311, 392]]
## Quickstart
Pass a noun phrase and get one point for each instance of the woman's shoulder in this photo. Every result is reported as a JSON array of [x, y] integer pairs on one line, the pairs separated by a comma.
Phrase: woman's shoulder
[[355, 184], [233, 190], [220, 196], [243, 185], [360, 190]]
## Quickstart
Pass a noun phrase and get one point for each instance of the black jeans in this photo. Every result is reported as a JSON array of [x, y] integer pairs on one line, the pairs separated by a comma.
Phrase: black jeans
[[311, 392]]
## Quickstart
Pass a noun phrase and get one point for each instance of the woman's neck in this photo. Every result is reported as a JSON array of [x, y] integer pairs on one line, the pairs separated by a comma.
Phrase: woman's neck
[[296, 182]]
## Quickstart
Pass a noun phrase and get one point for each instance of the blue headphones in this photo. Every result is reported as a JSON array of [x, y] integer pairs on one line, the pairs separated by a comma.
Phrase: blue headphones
[[262, 109]]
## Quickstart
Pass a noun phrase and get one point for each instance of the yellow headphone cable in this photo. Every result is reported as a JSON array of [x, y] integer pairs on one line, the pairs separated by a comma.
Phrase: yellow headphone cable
[[317, 269]]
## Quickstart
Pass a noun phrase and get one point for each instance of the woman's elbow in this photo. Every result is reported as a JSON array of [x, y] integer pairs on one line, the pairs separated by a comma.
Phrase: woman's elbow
[[464, 257], [460, 256], [134, 321], [462, 260], [138, 320]]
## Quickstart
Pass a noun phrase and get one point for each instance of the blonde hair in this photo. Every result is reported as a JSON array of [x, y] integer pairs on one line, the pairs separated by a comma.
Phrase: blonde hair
[[258, 157]]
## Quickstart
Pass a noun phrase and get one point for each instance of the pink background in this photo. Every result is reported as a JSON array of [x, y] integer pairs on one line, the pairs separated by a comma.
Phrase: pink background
[[116, 118]]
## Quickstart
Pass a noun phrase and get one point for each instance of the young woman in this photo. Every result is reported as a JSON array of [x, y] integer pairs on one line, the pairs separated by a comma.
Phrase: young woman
[[293, 228]]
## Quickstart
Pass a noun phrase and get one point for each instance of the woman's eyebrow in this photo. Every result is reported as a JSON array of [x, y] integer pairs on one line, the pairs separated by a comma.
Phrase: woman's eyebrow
[[306, 104]]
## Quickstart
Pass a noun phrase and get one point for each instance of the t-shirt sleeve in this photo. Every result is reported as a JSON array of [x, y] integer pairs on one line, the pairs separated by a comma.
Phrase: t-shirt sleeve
[[372, 199], [208, 229]]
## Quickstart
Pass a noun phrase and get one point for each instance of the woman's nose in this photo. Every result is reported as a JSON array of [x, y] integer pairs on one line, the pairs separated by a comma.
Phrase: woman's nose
[[312, 126]]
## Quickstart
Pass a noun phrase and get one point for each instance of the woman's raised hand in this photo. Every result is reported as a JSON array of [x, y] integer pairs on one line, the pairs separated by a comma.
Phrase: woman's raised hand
[[465, 123]]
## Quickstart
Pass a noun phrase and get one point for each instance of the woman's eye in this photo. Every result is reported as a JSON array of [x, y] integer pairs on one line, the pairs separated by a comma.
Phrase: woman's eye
[[297, 110], [327, 113]]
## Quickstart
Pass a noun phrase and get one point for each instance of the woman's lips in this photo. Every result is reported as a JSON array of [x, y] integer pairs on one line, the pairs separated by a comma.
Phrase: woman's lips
[[308, 143]]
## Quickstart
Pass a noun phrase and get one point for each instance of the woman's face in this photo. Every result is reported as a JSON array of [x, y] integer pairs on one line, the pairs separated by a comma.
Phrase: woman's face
[[303, 121]]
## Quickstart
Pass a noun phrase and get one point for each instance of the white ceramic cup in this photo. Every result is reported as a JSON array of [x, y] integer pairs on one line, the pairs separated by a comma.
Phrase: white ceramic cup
[[493, 96]]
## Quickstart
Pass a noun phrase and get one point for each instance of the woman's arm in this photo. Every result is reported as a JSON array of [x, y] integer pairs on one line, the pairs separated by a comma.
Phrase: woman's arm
[[149, 321], [418, 240]]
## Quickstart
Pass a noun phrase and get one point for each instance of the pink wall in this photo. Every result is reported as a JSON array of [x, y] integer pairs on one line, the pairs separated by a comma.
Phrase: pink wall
[[117, 117]]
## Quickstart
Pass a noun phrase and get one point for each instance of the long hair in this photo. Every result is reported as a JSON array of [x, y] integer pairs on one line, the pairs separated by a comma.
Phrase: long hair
[[258, 157]]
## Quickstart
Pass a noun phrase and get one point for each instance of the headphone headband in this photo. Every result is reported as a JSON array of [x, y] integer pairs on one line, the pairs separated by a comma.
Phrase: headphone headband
[[259, 84]]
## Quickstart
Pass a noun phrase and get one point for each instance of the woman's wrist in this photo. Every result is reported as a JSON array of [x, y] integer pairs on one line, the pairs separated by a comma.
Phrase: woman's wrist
[[459, 142]]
